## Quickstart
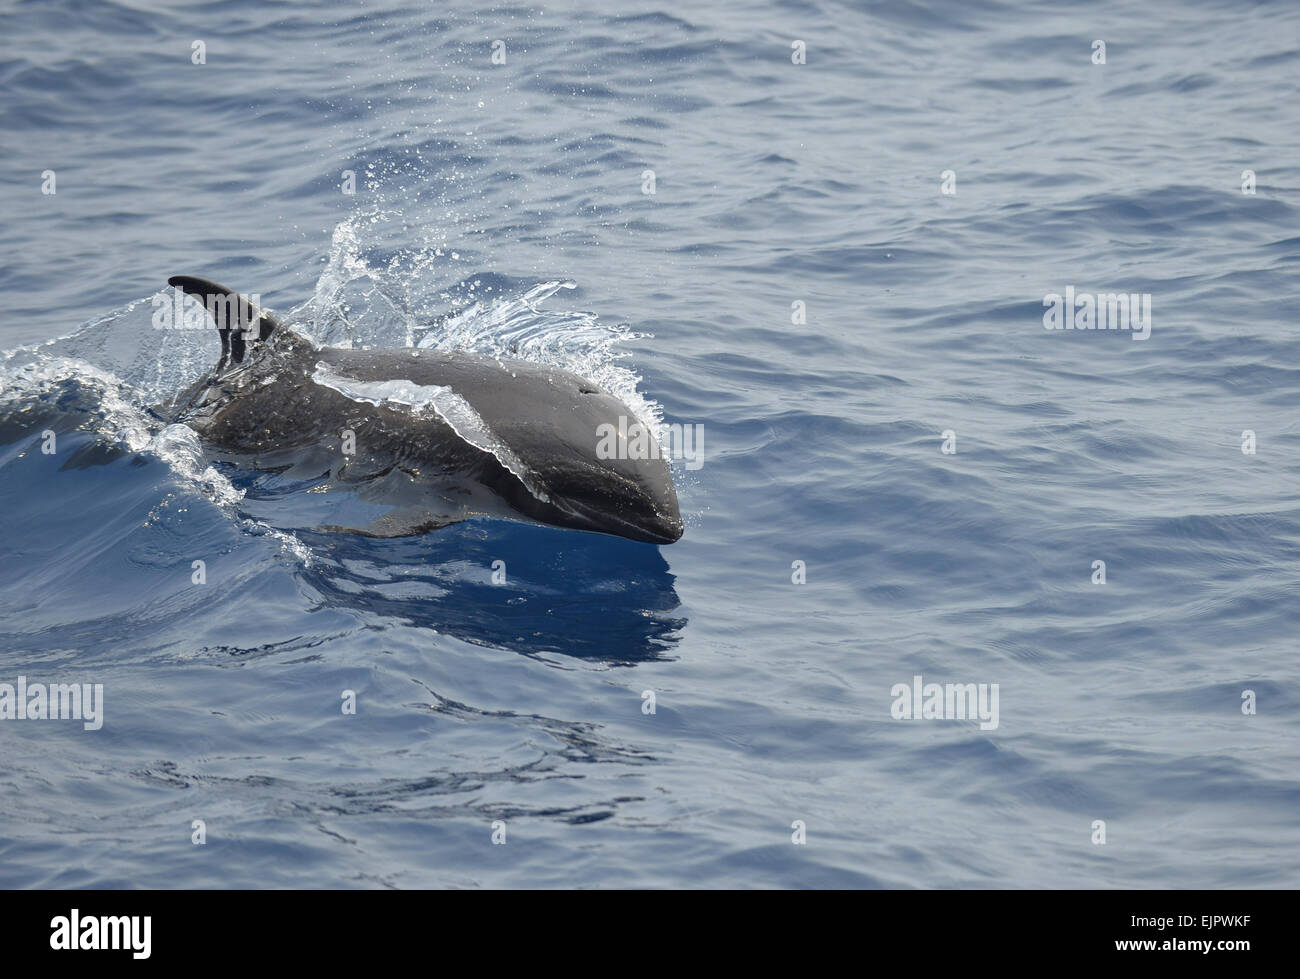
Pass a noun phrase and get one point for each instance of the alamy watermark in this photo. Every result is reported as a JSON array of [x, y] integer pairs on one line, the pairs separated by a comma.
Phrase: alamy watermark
[[178, 312], [25, 701], [75, 931], [632, 439], [1104, 311], [945, 702]]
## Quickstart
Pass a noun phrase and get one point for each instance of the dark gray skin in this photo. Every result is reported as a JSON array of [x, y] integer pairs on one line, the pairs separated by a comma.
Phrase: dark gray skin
[[261, 409]]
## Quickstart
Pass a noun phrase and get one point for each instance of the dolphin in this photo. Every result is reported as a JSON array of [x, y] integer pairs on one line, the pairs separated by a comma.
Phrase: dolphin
[[432, 436]]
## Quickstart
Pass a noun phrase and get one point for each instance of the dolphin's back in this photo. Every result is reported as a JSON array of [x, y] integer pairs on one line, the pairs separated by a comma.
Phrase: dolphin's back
[[521, 402], [489, 383]]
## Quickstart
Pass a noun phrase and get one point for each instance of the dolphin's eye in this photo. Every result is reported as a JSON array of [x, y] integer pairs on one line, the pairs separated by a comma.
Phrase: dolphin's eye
[[588, 391]]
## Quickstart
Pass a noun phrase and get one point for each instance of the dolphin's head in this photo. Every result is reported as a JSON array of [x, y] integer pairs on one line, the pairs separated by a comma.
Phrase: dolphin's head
[[597, 467]]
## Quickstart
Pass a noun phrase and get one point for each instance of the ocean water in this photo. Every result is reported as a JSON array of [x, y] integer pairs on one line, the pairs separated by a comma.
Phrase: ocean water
[[800, 286]]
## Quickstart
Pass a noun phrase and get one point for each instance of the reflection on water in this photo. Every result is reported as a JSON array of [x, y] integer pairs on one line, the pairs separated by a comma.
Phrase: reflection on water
[[580, 594]]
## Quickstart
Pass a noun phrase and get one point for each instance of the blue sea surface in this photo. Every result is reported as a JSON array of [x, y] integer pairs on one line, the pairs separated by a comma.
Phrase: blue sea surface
[[800, 286]]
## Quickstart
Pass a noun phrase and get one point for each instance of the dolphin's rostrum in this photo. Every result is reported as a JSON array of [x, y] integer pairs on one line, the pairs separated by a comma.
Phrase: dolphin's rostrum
[[437, 436]]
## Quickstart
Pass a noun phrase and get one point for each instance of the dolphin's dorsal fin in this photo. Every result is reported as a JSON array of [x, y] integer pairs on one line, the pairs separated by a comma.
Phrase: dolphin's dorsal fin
[[235, 316]]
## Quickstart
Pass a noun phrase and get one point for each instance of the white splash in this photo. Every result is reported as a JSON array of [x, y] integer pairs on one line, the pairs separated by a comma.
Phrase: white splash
[[30, 373]]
